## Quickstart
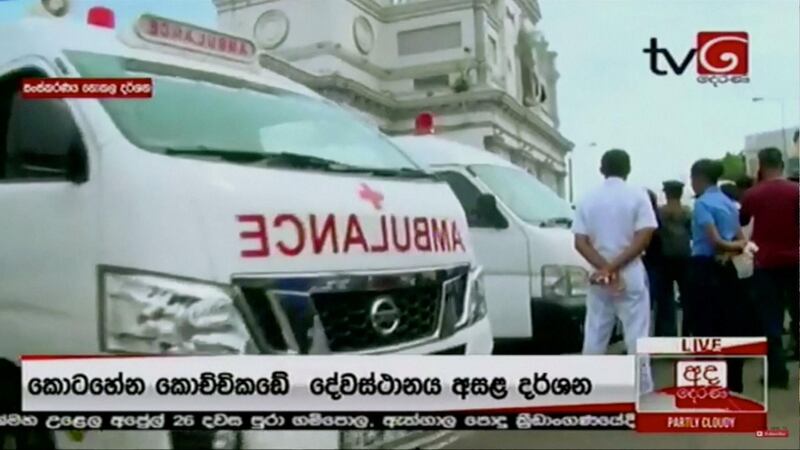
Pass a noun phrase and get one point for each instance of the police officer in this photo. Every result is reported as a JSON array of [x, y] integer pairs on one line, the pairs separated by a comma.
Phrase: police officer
[[715, 293], [613, 226]]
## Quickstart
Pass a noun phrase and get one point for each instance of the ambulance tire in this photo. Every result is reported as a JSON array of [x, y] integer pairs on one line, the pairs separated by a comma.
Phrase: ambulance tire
[[550, 339], [10, 401]]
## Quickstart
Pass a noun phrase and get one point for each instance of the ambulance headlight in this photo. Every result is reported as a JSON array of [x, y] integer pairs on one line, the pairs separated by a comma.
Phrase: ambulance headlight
[[143, 313], [477, 297], [578, 281], [554, 282], [564, 281]]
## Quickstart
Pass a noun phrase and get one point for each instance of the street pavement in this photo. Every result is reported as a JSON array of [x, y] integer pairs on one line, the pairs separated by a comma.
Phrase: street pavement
[[784, 414]]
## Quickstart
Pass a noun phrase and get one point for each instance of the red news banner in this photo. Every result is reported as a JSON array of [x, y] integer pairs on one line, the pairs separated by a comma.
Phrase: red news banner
[[100, 88], [699, 398]]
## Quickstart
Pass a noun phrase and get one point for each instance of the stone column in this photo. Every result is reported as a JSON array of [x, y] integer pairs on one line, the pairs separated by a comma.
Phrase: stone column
[[479, 15]]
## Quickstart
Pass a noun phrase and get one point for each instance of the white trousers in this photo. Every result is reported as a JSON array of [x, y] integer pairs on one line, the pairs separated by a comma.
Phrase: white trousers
[[632, 307]]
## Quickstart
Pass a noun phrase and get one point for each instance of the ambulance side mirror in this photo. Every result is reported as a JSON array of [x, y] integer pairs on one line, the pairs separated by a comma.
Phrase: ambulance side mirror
[[77, 163], [44, 142], [489, 212]]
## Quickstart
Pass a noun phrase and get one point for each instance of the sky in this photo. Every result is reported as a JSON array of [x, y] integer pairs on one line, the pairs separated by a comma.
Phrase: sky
[[607, 96]]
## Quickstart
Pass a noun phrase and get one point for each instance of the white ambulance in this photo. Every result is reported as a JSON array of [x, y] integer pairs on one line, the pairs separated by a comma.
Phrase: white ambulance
[[233, 212], [536, 282]]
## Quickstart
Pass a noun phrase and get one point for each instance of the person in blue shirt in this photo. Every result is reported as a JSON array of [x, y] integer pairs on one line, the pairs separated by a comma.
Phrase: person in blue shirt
[[714, 287], [715, 219]]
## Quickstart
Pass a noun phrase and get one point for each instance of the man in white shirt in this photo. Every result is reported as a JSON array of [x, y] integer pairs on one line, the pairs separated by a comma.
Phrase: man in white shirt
[[613, 226]]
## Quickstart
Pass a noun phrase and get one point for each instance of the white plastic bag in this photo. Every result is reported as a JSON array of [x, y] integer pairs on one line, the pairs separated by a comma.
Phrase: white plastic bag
[[744, 261]]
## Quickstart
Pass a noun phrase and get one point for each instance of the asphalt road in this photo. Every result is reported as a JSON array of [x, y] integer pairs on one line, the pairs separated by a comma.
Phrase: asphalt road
[[784, 414]]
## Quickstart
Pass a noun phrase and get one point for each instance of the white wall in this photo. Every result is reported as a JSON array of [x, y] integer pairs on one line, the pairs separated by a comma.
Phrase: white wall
[[467, 39], [329, 64], [305, 28], [472, 137], [755, 142]]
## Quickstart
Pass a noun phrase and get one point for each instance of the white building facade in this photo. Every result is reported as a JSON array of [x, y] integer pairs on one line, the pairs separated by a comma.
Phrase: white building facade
[[786, 140], [479, 66]]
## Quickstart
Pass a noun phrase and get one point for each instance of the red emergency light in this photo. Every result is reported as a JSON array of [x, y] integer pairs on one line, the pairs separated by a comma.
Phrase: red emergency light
[[424, 124], [101, 16]]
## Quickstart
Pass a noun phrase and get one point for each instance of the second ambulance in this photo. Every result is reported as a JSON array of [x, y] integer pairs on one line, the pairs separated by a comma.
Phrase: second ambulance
[[536, 282], [233, 212]]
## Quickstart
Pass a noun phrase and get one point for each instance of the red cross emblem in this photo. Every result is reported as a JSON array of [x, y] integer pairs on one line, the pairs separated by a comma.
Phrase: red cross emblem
[[374, 197]]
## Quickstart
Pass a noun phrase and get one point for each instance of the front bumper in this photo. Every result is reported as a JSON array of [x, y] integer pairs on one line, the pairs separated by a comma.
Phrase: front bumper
[[472, 340]]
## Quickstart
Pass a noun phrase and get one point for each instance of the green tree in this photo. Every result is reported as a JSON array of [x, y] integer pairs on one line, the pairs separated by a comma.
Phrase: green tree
[[733, 167]]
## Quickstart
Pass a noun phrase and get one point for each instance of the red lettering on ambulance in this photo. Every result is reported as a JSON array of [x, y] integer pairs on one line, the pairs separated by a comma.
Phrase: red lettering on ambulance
[[384, 245], [301, 235], [441, 235], [163, 29], [328, 232], [422, 237], [402, 248], [177, 33], [457, 242], [153, 30], [212, 42], [189, 37], [428, 234], [221, 42], [354, 234], [259, 234]]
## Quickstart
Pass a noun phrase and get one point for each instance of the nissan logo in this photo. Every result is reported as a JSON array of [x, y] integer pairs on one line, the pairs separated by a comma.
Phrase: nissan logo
[[384, 315]]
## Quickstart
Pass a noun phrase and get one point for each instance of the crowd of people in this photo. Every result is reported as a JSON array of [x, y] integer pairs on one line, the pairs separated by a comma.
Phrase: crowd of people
[[734, 256]]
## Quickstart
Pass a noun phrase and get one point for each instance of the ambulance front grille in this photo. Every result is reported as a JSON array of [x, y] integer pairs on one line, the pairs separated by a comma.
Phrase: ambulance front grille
[[348, 325], [322, 314]]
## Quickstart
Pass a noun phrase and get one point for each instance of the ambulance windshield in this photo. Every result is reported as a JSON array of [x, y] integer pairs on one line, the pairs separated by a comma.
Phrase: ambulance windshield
[[196, 111], [531, 200]]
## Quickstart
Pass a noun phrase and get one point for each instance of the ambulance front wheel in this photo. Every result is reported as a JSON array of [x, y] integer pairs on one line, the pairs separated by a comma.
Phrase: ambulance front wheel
[[10, 403], [558, 325]]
